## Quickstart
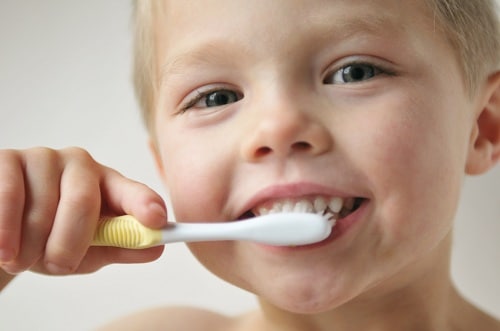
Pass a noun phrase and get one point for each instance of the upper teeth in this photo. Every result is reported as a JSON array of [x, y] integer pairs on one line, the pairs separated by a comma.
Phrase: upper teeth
[[321, 205]]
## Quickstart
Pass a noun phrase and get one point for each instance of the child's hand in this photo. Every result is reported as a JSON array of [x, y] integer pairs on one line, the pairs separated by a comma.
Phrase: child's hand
[[50, 202]]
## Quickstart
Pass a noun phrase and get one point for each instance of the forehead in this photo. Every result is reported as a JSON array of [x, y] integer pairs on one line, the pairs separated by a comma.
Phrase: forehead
[[191, 16], [187, 22], [196, 29]]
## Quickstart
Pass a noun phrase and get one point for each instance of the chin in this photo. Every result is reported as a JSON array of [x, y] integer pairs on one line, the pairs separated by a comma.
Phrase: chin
[[303, 294]]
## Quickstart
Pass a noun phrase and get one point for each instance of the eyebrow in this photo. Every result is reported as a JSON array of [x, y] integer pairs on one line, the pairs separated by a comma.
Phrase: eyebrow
[[223, 52], [370, 24], [214, 52]]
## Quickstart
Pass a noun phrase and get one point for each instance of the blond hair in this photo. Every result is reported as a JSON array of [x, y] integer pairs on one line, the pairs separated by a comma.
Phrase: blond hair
[[471, 26], [144, 61]]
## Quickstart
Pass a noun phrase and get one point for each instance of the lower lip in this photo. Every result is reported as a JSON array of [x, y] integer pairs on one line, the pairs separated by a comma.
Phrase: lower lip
[[339, 230]]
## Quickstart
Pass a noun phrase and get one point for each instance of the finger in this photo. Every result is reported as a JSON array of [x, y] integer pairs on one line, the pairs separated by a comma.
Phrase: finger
[[11, 204], [42, 178], [76, 215], [122, 195], [98, 257]]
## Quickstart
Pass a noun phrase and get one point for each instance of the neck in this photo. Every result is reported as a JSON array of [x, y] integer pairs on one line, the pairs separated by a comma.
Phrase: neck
[[427, 302]]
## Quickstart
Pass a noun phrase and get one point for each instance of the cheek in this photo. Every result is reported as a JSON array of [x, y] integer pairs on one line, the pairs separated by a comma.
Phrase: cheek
[[416, 170], [197, 177]]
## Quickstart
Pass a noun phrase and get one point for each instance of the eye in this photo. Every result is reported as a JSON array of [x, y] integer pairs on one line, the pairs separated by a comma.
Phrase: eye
[[213, 98], [220, 98], [353, 73]]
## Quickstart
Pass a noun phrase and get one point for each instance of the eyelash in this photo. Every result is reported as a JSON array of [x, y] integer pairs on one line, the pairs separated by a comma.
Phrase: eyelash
[[203, 94], [377, 70]]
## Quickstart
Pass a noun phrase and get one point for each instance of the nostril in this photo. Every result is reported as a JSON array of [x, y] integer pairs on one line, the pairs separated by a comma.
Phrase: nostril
[[263, 151]]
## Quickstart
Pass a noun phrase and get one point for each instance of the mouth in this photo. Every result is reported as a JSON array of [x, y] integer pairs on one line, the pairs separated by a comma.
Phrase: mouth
[[332, 208]]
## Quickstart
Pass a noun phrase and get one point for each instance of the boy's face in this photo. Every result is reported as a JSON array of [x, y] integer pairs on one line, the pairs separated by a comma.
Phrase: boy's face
[[265, 100]]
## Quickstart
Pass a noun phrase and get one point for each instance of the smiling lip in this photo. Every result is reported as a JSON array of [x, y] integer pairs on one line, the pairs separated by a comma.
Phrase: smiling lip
[[299, 190]]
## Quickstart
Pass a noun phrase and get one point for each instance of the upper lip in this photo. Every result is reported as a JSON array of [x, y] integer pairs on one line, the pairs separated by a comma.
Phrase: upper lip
[[292, 191]]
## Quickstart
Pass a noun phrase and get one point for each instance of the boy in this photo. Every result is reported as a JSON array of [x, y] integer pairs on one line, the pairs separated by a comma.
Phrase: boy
[[261, 105]]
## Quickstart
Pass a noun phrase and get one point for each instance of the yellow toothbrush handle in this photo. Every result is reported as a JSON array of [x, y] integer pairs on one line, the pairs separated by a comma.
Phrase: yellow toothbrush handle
[[125, 232]]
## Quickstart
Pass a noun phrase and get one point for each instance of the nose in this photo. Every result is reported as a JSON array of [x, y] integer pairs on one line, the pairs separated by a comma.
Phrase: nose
[[283, 130]]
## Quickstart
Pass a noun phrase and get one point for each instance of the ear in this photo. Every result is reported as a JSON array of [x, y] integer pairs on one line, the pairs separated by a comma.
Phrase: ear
[[153, 147], [484, 149]]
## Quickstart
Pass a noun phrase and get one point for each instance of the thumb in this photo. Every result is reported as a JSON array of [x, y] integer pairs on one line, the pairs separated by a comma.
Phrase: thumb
[[121, 195]]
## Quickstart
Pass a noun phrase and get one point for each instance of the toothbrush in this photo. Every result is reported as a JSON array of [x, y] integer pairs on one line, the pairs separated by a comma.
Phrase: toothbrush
[[279, 229]]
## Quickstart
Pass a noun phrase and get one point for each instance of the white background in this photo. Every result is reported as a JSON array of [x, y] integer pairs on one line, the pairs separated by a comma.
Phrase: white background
[[65, 81]]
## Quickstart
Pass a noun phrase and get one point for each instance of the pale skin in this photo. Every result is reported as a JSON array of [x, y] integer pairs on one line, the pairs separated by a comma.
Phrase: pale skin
[[289, 121]]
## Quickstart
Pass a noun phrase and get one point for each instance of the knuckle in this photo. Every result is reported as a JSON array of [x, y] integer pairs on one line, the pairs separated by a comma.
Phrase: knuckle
[[138, 189], [41, 155], [40, 151], [77, 153], [82, 158], [8, 154]]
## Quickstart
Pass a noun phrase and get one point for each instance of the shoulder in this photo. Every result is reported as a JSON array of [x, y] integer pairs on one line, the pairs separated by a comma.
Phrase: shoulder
[[173, 318]]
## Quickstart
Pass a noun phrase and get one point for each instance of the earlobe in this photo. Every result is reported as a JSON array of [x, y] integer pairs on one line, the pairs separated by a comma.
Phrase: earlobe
[[484, 149]]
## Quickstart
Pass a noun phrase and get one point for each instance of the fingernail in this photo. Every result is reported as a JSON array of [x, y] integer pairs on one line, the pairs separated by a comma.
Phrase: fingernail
[[159, 210]]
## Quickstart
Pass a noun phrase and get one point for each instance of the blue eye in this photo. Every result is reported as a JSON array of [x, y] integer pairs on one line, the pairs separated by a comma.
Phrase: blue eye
[[353, 73], [219, 98], [213, 98]]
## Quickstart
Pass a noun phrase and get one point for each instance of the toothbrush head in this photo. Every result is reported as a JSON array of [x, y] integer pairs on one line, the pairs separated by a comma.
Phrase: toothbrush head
[[291, 229]]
